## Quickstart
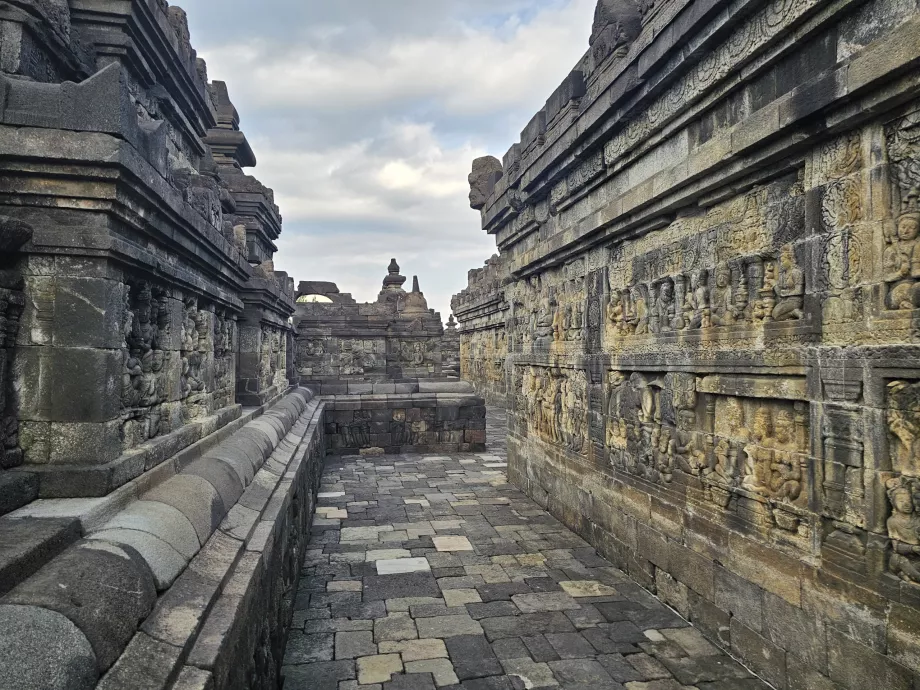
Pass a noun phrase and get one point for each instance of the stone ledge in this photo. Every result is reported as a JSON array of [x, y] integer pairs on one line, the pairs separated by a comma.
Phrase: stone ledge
[[148, 542]]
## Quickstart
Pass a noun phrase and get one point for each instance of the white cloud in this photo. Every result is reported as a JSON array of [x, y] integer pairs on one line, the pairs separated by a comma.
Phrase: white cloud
[[368, 143]]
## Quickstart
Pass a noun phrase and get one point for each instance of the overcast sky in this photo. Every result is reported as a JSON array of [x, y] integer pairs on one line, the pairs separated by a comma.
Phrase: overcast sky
[[365, 116]]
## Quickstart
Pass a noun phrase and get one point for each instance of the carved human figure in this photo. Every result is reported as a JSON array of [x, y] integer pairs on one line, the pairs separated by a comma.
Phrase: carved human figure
[[666, 314], [725, 470], [790, 288], [904, 529], [696, 302], [689, 457], [786, 471], [758, 454], [902, 263], [578, 321], [639, 318], [664, 454], [545, 318], [558, 322], [615, 312], [722, 308]]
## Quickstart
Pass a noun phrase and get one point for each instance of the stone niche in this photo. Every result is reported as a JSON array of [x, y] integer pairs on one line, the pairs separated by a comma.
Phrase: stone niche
[[705, 307], [145, 364]]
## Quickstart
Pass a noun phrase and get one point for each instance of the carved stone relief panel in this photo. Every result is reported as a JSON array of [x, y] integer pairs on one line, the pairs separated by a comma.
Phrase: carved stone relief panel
[[554, 403], [901, 260]]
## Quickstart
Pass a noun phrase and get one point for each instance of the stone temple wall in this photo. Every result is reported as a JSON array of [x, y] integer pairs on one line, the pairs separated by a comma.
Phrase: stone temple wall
[[157, 467], [709, 298], [396, 337], [481, 310]]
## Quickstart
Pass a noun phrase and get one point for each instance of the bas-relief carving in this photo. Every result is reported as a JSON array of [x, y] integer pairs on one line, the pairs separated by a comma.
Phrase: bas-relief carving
[[734, 448], [145, 377], [12, 303], [901, 259], [555, 403], [903, 490]]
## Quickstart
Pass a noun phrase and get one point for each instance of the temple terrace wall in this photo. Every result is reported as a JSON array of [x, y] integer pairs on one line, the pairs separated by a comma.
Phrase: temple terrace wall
[[703, 321]]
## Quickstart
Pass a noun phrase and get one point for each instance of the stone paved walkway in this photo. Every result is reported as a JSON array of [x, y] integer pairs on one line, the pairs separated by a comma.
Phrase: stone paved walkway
[[431, 572]]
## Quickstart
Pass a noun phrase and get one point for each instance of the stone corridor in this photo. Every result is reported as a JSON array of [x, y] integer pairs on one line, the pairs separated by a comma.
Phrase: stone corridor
[[433, 571]]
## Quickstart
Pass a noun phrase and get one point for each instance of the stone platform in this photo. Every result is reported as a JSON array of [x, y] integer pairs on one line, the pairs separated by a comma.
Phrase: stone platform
[[432, 571]]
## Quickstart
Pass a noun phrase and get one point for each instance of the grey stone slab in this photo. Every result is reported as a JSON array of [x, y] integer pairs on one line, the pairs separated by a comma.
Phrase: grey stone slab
[[351, 645], [103, 588], [146, 663], [160, 520], [472, 657], [382, 587], [164, 561], [43, 649], [304, 648], [26, 544], [447, 626], [318, 676], [586, 672]]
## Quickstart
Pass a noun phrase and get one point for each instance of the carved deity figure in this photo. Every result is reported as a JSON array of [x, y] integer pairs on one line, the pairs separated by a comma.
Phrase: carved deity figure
[[639, 318], [666, 315], [615, 312], [901, 262], [904, 427], [904, 528], [558, 323], [722, 308], [696, 302], [543, 323], [689, 457], [786, 472], [758, 454], [790, 288], [725, 469]]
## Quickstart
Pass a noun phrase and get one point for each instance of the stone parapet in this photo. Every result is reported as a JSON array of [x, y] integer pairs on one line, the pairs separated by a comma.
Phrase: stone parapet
[[219, 538], [710, 354], [407, 416]]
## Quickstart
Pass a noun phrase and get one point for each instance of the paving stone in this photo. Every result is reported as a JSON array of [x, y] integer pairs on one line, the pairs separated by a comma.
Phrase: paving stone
[[396, 627], [571, 646], [587, 588], [647, 666], [415, 650], [492, 609], [448, 626], [305, 648], [510, 648], [386, 555], [460, 597], [324, 675], [506, 598], [502, 591], [441, 669], [618, 668], [410, 681], [472, 657], [401, 565], [544, 601], [582, 671], [344, 586], [351, 645], [490, 683], [382, 587], [379, 668], [452, 543], [531, 674], [403, 605], [540, 649]]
